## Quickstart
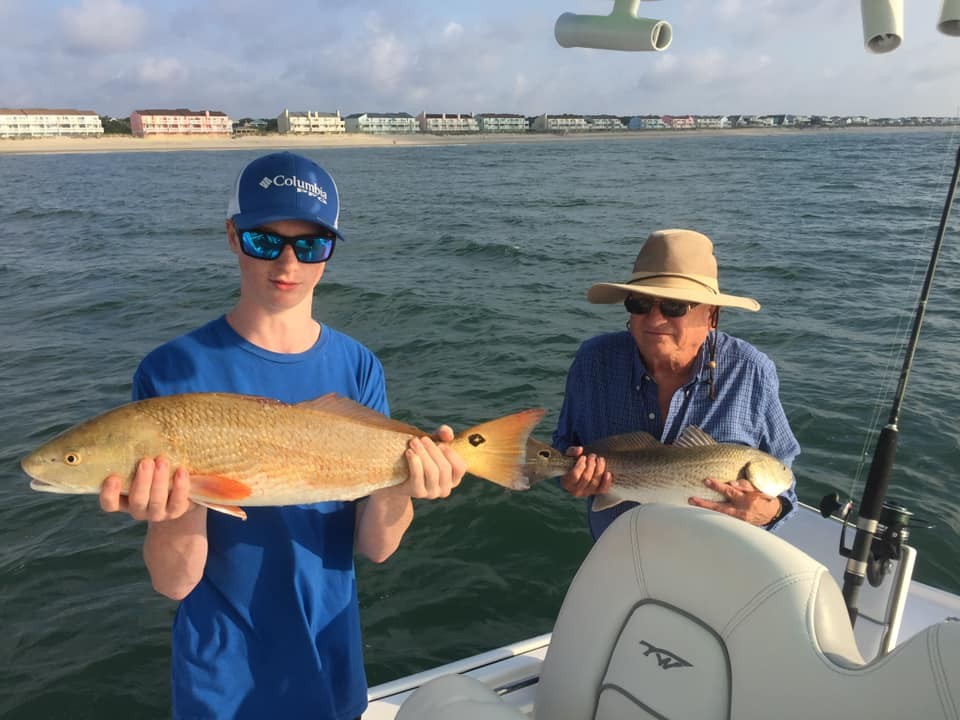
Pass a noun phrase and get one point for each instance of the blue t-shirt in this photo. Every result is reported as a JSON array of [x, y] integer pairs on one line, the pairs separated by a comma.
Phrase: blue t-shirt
[[273, 627], [609, 392]]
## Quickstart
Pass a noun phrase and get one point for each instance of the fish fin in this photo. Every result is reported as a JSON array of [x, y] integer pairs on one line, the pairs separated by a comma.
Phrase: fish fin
[[627, 442], [603, 502], [225, 509], [218, 487], [334, 404], [692, 436], [496, 450]]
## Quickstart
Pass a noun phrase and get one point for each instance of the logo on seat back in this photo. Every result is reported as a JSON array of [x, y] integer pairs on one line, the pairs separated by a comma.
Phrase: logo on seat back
[[310, 188], [665, 659]]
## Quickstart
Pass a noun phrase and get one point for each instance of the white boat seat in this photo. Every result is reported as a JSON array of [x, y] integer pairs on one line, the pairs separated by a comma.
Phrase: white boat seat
[[686, 613]]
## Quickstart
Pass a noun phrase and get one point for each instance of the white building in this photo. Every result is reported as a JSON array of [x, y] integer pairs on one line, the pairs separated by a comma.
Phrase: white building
[[310, 121], [604, 122], [560, 123], [38, 122], [712, 122], [646, 122], [377, 123], [501, 123], [441, 123]]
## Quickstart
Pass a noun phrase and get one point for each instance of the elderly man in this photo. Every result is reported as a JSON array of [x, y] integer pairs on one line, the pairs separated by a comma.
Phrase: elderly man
[[673, 368]]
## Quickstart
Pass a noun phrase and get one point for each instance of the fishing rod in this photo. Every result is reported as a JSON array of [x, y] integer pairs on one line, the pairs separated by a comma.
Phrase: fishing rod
[[875, 519]]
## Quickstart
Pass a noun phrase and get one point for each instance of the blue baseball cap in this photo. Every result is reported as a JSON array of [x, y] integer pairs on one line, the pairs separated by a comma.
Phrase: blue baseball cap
[[284, 186]]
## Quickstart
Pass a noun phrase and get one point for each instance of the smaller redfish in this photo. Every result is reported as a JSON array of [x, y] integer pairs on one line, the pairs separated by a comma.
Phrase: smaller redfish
[[645, 470]]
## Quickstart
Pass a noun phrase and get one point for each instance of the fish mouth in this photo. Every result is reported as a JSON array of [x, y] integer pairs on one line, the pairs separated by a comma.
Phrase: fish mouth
[[41, 486], [44, 486]]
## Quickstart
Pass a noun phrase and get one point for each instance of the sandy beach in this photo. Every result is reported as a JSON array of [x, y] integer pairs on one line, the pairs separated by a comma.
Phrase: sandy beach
[[127, 143]]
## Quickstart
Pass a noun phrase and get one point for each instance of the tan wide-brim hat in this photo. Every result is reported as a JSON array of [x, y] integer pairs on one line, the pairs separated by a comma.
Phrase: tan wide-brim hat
[[674, 265]]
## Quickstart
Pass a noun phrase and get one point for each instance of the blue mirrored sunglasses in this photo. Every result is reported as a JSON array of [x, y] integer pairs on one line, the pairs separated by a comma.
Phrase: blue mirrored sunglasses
[[264, 245]]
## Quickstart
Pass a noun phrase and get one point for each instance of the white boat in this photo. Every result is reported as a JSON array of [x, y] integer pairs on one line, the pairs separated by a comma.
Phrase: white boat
[[685, 613], [899, 614]]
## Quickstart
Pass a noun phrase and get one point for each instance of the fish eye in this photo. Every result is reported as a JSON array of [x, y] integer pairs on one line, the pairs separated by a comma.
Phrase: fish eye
[[72, 458], [544, 454]]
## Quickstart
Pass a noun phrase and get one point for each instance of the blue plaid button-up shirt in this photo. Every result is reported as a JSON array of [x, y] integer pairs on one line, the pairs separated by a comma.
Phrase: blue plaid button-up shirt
[[609, 392]]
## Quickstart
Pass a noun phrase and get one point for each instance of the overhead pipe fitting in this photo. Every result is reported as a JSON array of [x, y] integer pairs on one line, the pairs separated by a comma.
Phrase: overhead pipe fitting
[[949, 23], [620, 30], [882, 24]]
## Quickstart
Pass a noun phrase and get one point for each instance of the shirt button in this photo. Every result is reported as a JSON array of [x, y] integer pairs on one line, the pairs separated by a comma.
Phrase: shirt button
[[652, 416], [637, 388]]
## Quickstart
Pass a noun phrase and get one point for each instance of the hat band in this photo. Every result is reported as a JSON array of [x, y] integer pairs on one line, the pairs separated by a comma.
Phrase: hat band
[[703, 281]]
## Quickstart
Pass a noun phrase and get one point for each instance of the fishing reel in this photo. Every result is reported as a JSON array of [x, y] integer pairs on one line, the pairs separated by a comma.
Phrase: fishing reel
[[893, 531]]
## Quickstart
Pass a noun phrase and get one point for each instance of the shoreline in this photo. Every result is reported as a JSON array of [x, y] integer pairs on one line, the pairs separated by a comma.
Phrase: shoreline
[[127, 143]]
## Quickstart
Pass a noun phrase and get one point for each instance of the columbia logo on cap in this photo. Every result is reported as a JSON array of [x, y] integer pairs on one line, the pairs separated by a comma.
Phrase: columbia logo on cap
[[302, 186]]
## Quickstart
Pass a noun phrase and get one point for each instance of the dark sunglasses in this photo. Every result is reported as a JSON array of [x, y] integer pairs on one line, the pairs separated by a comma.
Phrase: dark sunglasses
[[264, 245], [639, 305]]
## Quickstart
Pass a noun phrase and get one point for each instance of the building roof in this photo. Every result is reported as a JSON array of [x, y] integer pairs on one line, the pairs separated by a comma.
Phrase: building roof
[[183, 112], [44, 111]]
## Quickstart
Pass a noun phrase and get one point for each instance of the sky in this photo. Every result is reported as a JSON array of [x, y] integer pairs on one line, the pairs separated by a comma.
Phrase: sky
[[254, 58]]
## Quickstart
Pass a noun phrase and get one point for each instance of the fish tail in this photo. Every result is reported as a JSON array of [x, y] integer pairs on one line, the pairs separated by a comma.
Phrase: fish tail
[[496, 450]]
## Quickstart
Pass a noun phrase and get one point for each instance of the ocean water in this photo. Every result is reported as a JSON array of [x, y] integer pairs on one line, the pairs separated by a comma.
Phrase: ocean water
[[465, 270]]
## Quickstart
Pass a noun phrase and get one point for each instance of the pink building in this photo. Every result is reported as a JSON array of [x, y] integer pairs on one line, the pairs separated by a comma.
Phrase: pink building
[[179, 122]]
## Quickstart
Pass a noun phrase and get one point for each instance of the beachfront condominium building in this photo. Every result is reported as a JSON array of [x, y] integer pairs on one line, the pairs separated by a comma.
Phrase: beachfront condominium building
[[646, 122], [604, 122], [441, 123], [712, 122], [501, 122], [38, 122], [559, 123], [179, 122], [377, 123], [310, 121]]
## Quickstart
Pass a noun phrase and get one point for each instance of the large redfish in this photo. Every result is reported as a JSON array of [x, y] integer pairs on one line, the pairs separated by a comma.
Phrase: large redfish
[[244, 450], [645, 470]]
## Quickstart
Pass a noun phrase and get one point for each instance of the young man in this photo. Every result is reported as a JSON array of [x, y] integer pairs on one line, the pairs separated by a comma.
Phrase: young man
[[673, 368], [268, 623]]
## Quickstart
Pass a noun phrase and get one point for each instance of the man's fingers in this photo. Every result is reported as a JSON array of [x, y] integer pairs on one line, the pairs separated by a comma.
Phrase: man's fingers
[[159, 490], [138, 496], [110, 494], [178, 502]]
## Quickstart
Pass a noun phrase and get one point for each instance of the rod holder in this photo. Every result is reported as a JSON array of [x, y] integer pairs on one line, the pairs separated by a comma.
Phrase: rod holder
[[620, 30], [882, 24], [949, 22]]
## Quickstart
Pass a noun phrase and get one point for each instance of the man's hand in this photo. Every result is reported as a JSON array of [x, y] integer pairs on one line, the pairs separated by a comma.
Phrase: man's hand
[[589, 476], [743, 501], [155, 494]]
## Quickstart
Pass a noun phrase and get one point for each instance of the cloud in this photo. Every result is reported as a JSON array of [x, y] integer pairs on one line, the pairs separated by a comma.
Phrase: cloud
[[102, 26], [162, 71]]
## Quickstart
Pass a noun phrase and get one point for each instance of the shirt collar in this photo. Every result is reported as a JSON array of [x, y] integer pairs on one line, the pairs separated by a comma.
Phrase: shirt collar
[[700, 365]]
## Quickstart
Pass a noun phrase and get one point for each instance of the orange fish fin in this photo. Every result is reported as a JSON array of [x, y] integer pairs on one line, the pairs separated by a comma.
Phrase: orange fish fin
[[334, 404], [225, 509], [219, 487], [497, 450]]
